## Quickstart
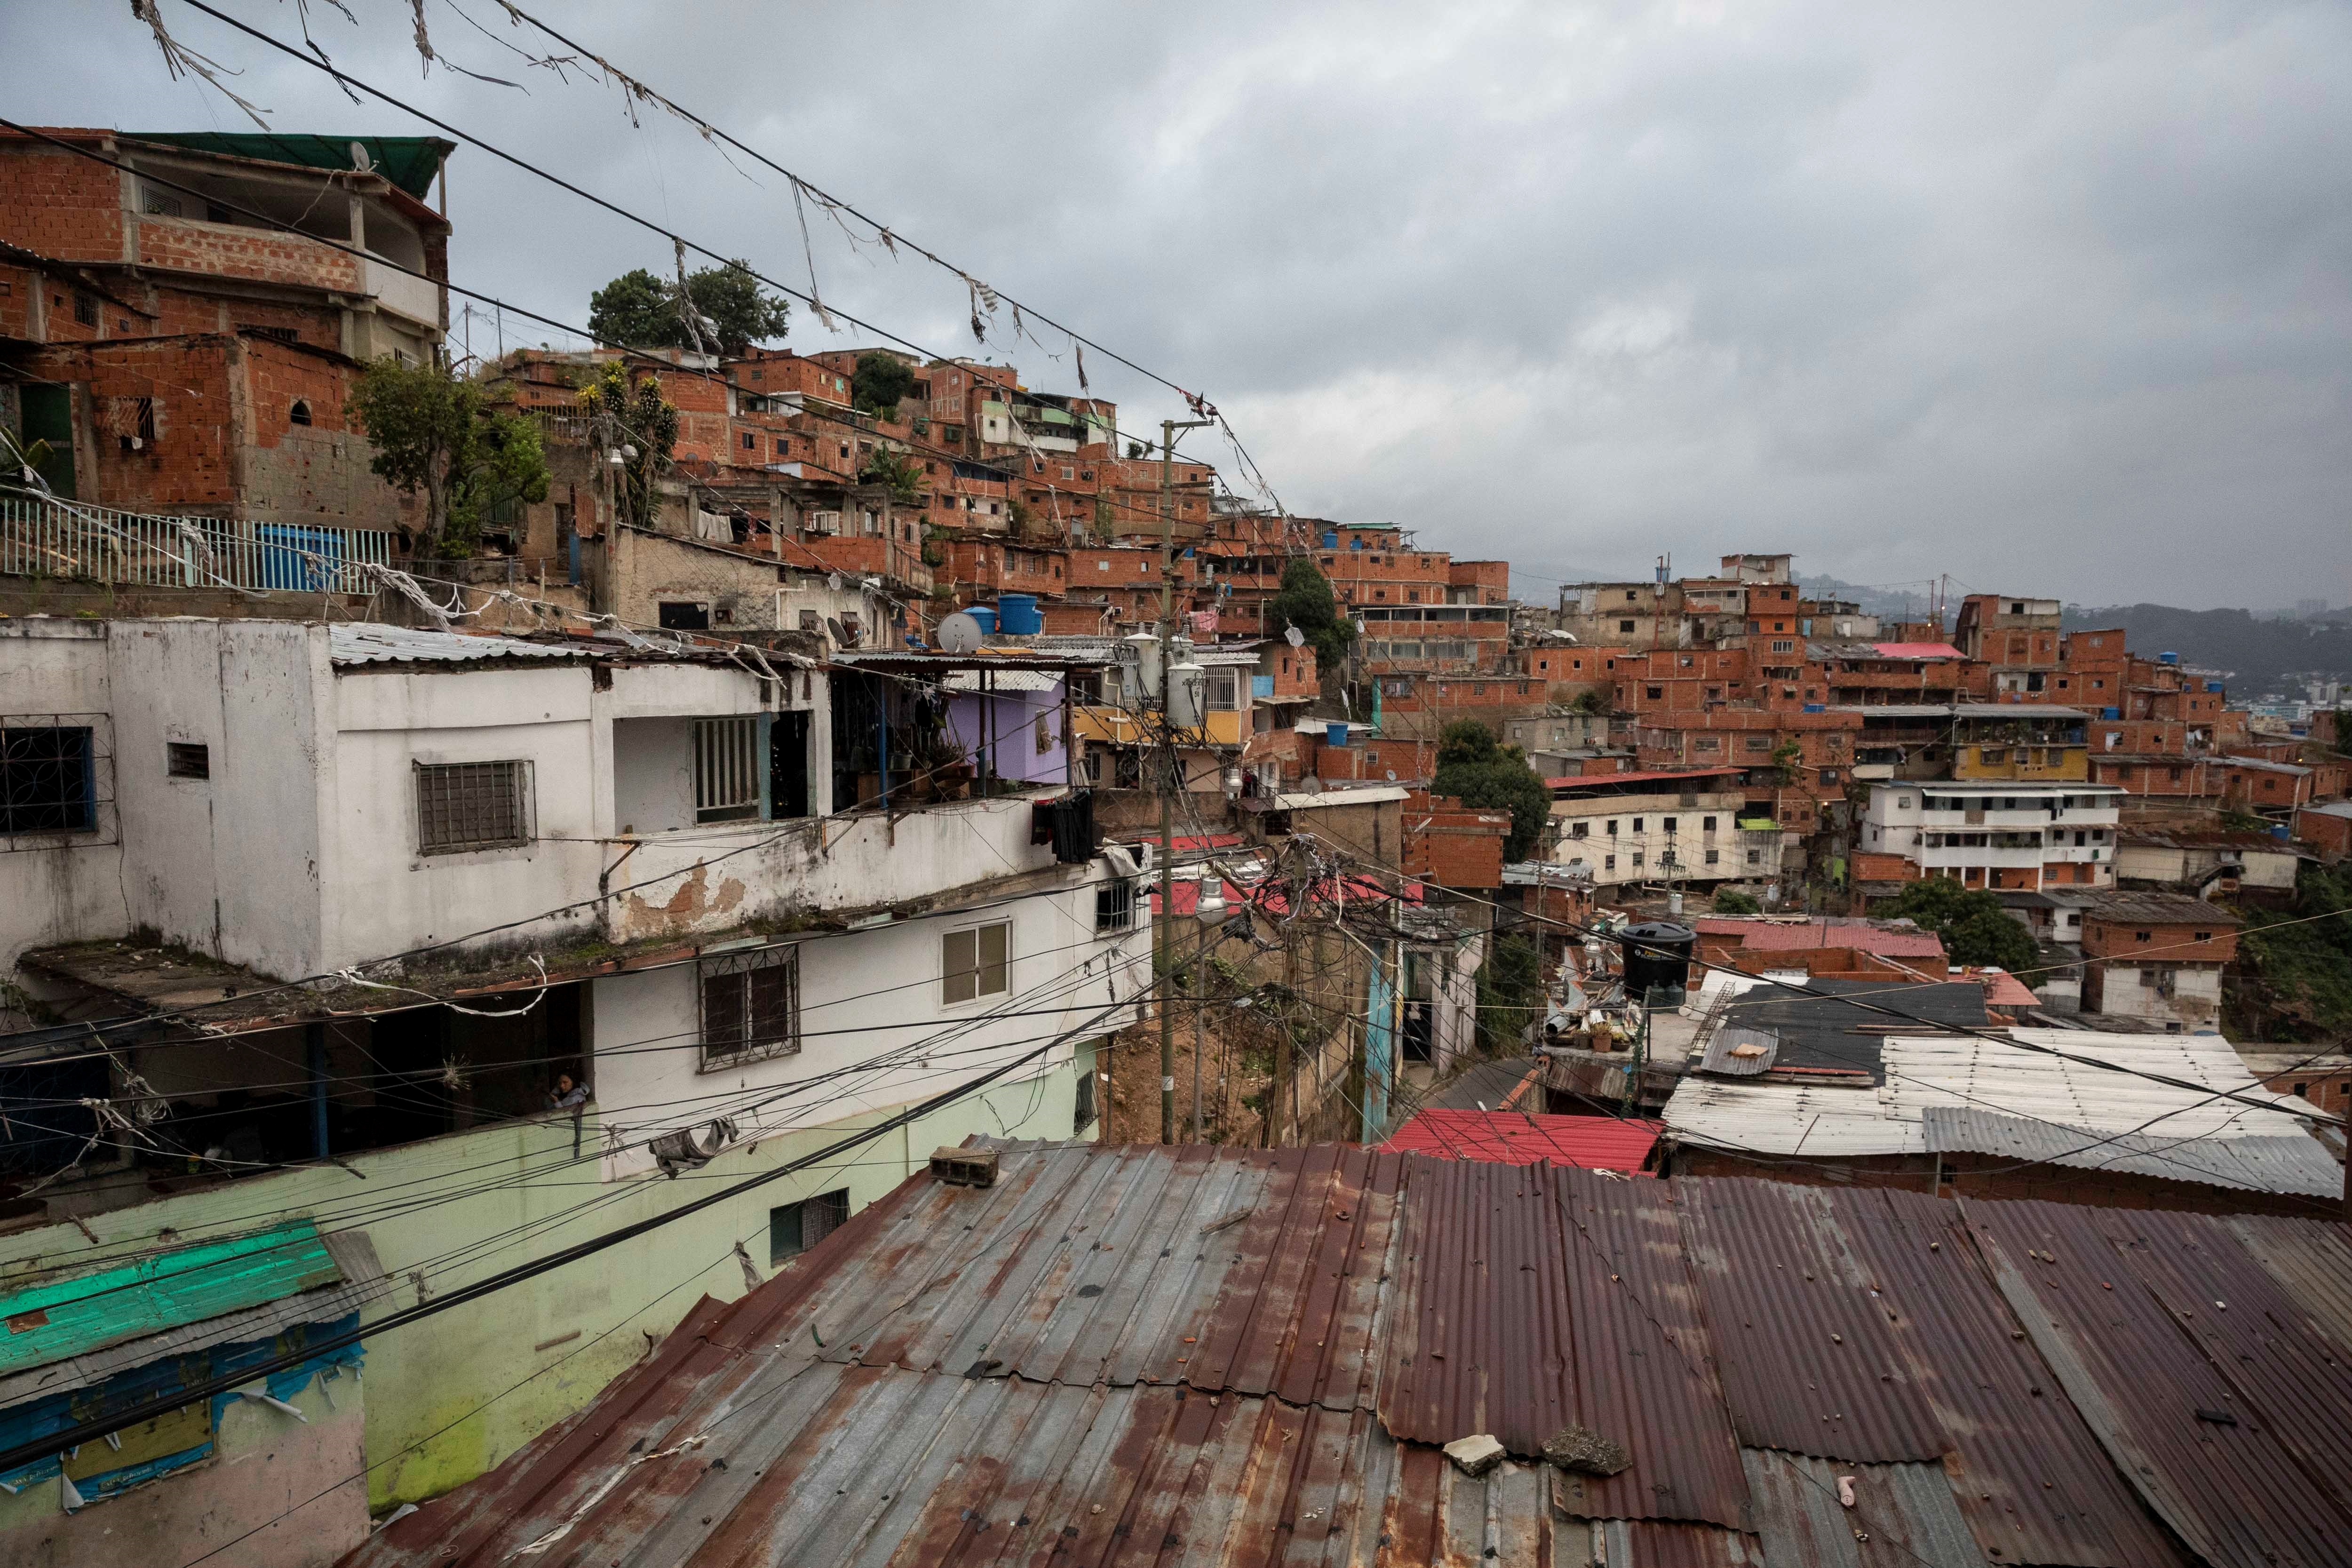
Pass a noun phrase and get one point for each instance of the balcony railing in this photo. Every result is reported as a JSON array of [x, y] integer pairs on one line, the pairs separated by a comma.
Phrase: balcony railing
[[48, 538]]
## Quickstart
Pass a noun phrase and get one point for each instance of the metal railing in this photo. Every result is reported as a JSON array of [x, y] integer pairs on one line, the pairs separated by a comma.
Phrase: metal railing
[[48, 538]]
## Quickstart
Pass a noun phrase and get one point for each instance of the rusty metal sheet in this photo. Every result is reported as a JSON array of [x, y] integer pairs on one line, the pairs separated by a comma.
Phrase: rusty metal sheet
[[1533, 1297], [2314, 1262], [888, 1467], [2101, 1291], [1901, 1516], [1928, 1363]]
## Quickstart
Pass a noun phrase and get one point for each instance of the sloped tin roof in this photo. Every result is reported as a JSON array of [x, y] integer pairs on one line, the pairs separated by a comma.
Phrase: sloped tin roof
[[1525, 1138], [84, 1312], [1197, 1356]]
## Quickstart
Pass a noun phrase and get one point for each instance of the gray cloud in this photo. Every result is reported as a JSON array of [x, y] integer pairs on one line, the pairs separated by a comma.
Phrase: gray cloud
[[2045, 297]]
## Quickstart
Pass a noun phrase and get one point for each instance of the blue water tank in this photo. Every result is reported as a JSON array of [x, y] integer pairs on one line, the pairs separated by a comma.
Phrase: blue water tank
[[2279, 831], [1334, 732], [2212, 686], [1330, 539], [986, 615], [2168, 659], [1017, 614], [2111, 712]]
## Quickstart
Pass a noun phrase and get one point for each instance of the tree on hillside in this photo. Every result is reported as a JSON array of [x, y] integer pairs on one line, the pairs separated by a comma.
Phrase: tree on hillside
[[1976, 929], [435, 433], [879, 381], [633, 415], [640, 310], [1732, 901], [1305, 601], [1474, 768]]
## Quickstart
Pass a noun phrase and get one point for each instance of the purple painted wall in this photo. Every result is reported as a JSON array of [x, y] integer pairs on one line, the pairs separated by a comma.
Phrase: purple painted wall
[[1008, 724]]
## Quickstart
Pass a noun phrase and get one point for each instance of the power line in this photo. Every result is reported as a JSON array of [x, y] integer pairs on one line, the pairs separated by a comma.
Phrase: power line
[[90, 1431], [1929, 1024]]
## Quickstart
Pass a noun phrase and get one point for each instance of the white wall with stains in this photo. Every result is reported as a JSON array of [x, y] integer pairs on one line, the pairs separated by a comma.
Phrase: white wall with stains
[[877, 993], [59, 887]]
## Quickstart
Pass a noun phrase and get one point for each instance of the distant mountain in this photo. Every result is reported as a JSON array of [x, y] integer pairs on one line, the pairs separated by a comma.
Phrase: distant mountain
[[2262, 656]]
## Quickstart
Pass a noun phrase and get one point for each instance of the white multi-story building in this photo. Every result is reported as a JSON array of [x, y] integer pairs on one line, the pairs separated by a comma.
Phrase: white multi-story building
[[340, 908], [1998, 834], [1661, 828]]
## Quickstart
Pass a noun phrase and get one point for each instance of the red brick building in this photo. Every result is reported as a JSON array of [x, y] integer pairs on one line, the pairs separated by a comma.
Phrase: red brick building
[[179, 353]]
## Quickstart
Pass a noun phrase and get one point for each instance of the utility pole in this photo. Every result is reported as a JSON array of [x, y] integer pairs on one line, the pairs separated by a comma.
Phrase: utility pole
[[1164, 940]]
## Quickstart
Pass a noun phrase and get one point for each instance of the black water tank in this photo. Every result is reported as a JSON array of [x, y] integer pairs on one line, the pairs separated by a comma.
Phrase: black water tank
[[1657, 957]]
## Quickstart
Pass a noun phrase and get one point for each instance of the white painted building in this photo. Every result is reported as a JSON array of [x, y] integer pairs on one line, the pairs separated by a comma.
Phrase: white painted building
[[621, 863], [1650, 827], [1996, 834]]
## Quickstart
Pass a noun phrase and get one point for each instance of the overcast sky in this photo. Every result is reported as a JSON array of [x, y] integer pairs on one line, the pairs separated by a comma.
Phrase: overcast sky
[[2054, 299]]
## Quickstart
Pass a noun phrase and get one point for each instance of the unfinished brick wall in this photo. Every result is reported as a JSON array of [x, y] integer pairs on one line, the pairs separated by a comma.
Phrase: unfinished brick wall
[[57, 204]]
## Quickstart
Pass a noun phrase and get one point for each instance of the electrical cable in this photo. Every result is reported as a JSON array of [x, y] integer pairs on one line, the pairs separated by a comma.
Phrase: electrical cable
[[88, 1431]]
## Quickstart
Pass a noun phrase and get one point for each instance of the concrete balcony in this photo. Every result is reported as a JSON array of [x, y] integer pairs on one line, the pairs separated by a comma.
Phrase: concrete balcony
[[402, 294]]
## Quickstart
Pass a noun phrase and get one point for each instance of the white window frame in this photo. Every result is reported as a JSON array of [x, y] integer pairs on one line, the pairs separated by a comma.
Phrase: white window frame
[[953, 975]]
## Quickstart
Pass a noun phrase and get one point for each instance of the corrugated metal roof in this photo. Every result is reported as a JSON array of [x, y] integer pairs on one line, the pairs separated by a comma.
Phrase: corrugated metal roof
[[364, 1281], [1724, 1048], [1525, 1138], [74, 1316], [1191, 1356], [2159, 908], [1859, 1325], [2291, 1163], [1531, 1299], [1003, 680], [369, 643], [2184, 1355], [1970, 1070], [1783, 936], [2315, 1265]]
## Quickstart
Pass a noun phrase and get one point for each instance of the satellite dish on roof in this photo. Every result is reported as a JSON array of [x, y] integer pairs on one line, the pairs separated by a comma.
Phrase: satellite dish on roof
[[360, 159], [960, 633], [1295, 637], [1391, 775], [840, 633]]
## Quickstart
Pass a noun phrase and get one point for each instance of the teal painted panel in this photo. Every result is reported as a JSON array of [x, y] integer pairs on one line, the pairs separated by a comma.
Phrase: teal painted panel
[[65, 1317]]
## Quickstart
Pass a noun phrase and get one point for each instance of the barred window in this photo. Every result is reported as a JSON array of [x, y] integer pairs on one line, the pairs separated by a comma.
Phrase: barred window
[[751, 1006], [1115, 905], [795, 1227], [726, 769], [48, 780], [973, 962], [463, 806]]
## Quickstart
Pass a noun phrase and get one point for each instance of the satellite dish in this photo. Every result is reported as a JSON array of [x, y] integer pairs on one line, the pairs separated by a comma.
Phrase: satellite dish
[[840, 633], [360, 159], [1310, 785], [960, 633], [1391, 775], [1295, 637]]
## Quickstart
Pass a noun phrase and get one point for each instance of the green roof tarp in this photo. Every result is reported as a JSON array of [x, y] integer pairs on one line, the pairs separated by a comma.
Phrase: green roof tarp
[[89, 1311], [408, 162]]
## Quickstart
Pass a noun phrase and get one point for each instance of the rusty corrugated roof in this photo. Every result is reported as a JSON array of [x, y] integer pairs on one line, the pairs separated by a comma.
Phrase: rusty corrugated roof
[[1196, 1356], [2187, 1357], [1862, 1325]]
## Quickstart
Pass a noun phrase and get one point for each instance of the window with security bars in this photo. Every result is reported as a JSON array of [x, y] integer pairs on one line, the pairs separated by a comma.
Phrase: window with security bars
[[52, 777], [726, 769], [463, 806], [751, 1006], [973, 962], [1115, 905], [793, 1228]]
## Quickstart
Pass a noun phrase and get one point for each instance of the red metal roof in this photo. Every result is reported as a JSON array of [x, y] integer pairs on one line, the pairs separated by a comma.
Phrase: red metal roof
[[1193, 1356], [1524, 1138], [1640, 777], [1787, 936], [1917, 650]]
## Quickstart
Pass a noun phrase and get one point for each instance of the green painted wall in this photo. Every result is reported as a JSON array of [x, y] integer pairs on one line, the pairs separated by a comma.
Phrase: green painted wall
[[423, 1381]]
